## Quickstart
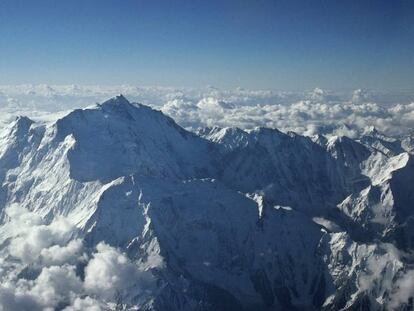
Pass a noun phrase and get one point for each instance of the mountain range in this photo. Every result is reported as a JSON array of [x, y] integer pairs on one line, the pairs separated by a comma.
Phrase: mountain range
[[220, 219]]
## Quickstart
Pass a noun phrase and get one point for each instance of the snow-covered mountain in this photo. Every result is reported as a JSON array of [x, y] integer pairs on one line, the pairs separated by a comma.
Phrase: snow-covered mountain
[[117, 207]]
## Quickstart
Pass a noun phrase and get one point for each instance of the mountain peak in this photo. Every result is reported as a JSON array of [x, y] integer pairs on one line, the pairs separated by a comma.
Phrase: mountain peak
[[21, 124], [371, 131], [117, 100], [140, 138]]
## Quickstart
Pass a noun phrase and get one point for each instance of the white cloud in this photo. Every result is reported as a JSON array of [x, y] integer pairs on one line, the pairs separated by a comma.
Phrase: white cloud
[[40, 268], [58, 255], [110, 272], [12, 299], [56, 285], [31, 236]]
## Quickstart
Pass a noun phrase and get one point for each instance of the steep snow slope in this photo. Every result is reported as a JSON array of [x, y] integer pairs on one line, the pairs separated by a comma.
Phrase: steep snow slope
[[118, 138], [384, 210], [223, 220], [379, 142]]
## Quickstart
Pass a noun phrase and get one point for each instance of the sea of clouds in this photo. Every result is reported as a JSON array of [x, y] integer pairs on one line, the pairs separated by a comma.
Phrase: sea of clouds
[[306, 112]]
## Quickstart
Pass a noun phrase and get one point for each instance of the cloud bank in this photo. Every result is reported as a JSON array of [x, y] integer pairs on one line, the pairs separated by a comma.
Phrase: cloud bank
[[307, 112]]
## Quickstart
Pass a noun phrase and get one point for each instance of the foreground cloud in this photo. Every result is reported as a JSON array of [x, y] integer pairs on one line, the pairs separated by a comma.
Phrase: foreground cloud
[[45, 268], [110, 272]]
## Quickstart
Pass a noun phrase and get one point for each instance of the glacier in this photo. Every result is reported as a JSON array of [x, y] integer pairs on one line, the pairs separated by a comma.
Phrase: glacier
[[116, 207]]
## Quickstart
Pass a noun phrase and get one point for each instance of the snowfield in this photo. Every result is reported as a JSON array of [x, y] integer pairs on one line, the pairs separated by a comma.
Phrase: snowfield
[[117, 207]]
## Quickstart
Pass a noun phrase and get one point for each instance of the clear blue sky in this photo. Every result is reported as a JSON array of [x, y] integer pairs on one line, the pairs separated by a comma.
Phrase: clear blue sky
[[226, 43]]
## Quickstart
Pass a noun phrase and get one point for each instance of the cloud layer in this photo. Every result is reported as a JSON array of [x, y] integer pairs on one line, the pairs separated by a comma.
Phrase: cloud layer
[[317, 111]]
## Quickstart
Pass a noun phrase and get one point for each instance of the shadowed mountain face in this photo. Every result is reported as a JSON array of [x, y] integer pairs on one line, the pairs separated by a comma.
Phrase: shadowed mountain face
[[222, 220]]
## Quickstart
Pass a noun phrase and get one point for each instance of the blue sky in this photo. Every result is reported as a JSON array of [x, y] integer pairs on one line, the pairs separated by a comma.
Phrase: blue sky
[[264, 44]]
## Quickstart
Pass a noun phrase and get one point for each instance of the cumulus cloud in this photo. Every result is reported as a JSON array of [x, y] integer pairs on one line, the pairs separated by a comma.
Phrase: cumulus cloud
[[110, 272], [31, 237], [11, 299], [58, 255], [43, 267], [54, 286]]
